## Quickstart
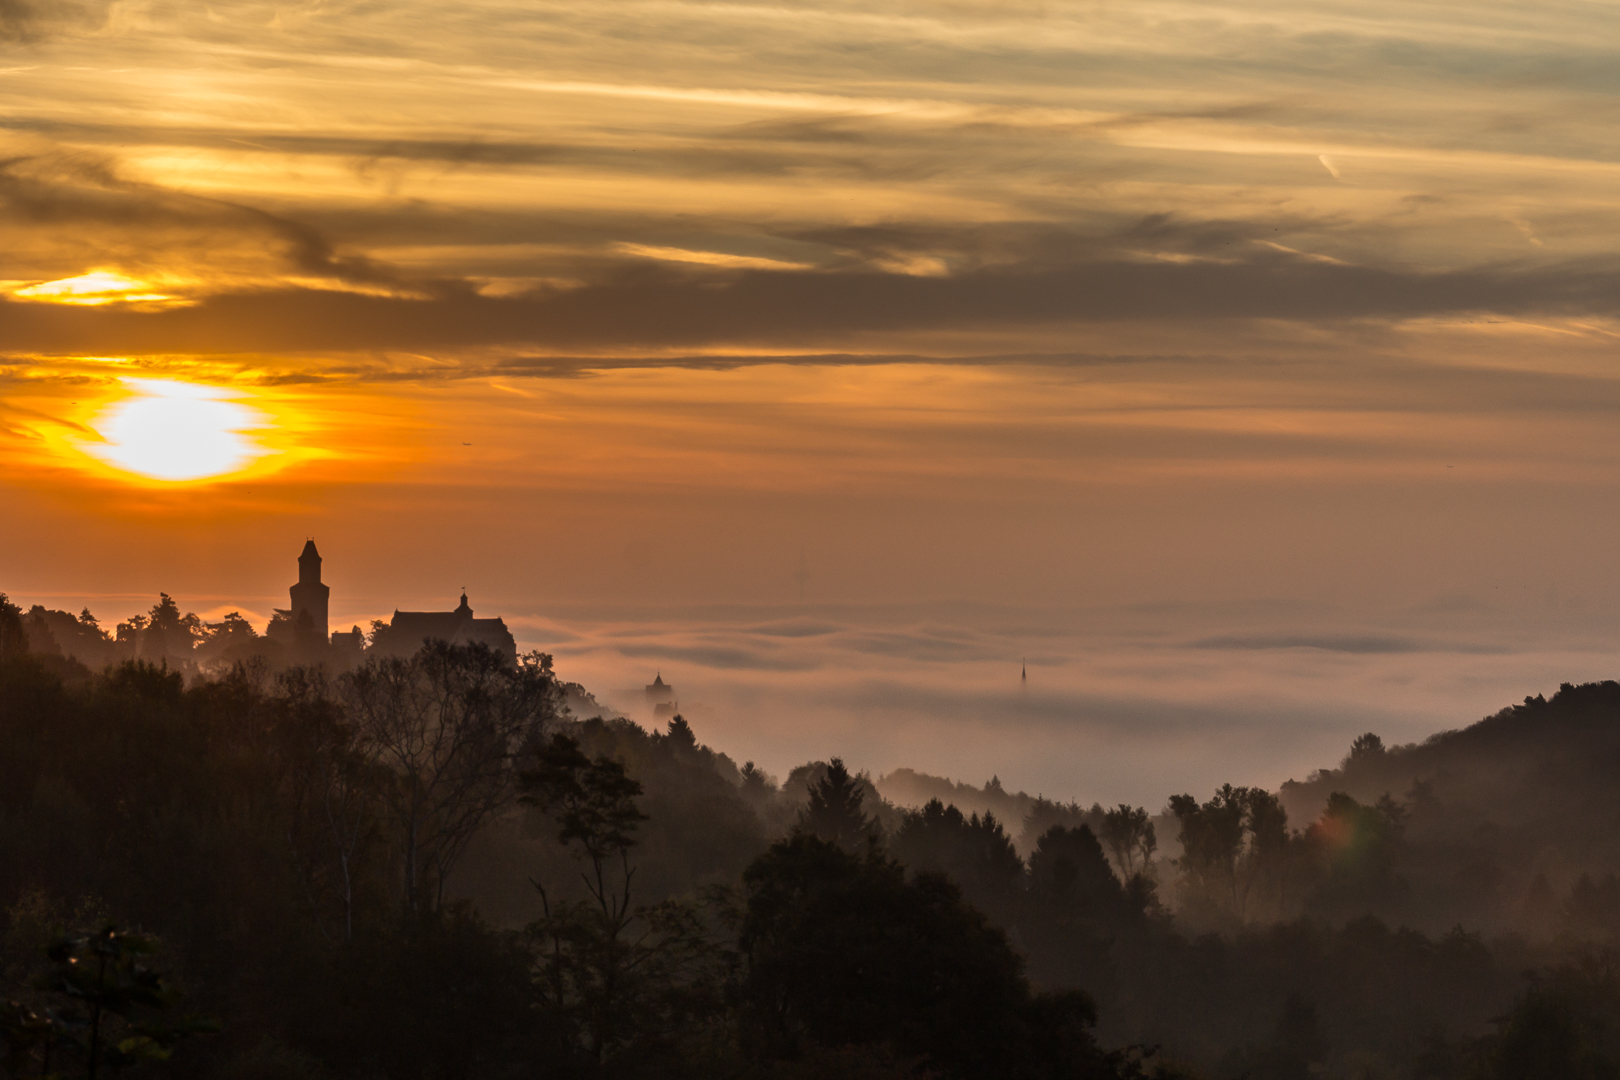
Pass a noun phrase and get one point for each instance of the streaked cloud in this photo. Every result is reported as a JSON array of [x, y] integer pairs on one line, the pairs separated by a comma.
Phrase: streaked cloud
[[708, 258], [499, 173]]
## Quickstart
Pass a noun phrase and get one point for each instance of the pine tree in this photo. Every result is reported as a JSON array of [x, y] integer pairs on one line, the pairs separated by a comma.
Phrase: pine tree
[[835, 813]]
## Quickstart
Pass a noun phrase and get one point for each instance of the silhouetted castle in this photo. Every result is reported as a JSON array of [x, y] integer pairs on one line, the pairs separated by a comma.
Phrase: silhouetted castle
[[407, 630], [305, 625]]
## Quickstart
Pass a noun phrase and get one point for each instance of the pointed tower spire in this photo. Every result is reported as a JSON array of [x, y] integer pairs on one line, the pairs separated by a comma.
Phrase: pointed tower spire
[[309, 565]]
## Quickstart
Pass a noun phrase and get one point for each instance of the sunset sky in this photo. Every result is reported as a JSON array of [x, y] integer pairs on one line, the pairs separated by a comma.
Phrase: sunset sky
[[1248, 369]]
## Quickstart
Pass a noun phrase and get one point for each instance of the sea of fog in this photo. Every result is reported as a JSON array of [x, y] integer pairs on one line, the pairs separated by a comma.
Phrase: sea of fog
[[1119, 704]]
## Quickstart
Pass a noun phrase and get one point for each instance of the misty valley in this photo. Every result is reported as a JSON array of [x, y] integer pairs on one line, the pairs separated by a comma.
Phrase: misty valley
[[225, 857]]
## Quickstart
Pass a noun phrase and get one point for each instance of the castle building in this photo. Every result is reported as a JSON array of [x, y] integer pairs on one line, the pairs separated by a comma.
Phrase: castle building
[[305, 630], [408, 630]]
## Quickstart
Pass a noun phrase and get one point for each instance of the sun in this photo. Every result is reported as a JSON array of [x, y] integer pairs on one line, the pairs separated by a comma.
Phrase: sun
[[177, 431]]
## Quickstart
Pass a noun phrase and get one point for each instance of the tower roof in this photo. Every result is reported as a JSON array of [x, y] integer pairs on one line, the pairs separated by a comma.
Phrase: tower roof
[[309, 551]]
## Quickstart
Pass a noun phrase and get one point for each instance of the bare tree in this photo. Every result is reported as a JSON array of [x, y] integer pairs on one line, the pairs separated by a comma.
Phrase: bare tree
[[447, 724]]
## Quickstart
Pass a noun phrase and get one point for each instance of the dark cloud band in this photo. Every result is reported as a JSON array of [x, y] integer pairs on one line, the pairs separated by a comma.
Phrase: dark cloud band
[[653, 308]]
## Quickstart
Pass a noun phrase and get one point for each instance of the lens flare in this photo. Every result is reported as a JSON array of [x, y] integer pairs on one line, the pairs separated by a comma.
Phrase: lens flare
[[177, 431]]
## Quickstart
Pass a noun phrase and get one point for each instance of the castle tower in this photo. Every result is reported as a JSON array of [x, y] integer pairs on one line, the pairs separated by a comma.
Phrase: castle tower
[[309, 595]]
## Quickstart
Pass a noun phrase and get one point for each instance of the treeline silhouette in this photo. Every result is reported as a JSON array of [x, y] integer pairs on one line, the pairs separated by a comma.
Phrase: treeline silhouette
[[429, 867]]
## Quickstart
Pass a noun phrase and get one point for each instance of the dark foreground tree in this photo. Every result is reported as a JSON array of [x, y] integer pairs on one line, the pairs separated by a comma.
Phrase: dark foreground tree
[[843, 950], [439, 997], [1565, 1026], [1295, 1051], [629, 979], [447, 724], [332, 788], [102, 1010]]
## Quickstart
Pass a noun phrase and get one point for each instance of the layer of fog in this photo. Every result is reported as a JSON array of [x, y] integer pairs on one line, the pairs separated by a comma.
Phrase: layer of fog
[[1121, 704]]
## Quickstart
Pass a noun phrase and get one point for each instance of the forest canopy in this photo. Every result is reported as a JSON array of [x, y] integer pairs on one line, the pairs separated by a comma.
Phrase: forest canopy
[[434, 867]]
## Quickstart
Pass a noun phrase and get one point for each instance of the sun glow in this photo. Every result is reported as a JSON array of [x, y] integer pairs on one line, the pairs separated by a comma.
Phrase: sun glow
[[177, 431], [96, 287]]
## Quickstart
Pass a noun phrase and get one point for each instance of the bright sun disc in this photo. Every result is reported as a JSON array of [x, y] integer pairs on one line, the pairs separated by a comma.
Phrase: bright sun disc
[[177, 431]]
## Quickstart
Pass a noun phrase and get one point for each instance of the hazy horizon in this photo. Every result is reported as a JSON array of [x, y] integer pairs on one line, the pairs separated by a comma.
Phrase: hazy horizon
[[1124, 704]]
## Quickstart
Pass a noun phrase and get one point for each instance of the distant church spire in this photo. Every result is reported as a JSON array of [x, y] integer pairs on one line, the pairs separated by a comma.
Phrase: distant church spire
[[661, 696]]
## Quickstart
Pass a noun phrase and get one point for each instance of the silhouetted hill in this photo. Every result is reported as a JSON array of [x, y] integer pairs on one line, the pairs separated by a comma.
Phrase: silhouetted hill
[[1530, 792]]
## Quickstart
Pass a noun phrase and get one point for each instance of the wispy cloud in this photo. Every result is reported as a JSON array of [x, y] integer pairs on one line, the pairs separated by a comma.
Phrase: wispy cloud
[[968, 167]]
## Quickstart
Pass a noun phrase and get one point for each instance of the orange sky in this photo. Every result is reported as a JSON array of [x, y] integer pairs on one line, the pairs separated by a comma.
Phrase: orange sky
[[1248, 367]]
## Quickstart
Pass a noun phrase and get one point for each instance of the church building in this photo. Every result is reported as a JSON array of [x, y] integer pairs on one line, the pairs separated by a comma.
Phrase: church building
[[661, 696]]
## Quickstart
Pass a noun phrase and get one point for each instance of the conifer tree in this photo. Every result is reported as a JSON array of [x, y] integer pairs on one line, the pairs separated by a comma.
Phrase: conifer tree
[[835, 811]]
